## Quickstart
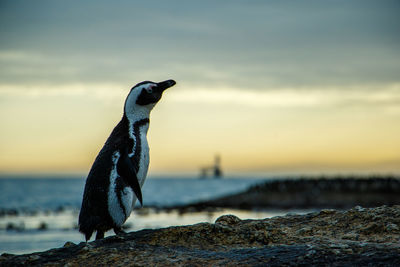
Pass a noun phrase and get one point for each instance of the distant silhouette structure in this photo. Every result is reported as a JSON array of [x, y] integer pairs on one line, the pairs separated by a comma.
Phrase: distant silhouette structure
[[212, 171]]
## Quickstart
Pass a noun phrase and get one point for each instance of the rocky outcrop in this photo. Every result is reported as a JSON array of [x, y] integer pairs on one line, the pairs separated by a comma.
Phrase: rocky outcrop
[[357, 237], [306, 193]]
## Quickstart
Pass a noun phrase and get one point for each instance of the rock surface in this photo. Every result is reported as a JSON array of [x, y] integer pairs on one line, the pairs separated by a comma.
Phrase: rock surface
[[357, 237]]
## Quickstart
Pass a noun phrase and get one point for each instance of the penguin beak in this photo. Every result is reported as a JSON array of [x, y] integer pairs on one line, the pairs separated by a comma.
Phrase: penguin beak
[[161, 86]]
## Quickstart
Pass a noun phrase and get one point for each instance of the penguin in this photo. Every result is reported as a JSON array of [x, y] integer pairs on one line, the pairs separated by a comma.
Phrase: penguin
[[115, 179]]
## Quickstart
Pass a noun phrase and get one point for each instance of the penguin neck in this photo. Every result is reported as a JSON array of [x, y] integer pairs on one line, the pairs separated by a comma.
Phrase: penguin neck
[[137, 113], [137, 130], [138, 122]]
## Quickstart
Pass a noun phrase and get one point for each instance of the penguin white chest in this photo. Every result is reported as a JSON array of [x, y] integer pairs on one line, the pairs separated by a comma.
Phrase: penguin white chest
[[120, 200], [144, 155]]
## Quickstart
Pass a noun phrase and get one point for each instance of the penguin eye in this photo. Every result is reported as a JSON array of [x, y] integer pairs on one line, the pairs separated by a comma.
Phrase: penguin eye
[[150, 89]]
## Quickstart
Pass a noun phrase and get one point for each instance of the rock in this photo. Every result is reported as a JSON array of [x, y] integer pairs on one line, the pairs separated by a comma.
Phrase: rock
[[68, 244], [227, 220], [43, 226], [14, 227], [355, 237]]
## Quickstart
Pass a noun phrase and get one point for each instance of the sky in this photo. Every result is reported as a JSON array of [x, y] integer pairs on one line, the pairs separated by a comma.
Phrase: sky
[[271, 86]]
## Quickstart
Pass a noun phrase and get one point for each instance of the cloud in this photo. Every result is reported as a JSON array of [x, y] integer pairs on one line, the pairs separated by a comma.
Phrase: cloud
[[258, 45], [383, 98]]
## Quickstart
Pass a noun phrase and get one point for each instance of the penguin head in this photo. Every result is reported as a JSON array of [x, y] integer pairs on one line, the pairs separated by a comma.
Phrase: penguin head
[[144, 96]]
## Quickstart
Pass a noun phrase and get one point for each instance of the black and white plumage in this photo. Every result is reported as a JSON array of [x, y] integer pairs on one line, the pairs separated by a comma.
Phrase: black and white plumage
[[119, 170]]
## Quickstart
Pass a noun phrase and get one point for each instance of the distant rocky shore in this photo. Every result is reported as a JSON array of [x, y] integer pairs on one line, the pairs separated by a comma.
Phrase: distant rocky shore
[[308, 193], [356, 237]]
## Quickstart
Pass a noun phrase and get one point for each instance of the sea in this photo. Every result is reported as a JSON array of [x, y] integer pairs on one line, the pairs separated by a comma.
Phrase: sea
[[38, 214]]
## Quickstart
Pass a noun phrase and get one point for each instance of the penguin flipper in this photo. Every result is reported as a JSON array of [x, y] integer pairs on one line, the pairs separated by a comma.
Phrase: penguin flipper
[[127, 171]]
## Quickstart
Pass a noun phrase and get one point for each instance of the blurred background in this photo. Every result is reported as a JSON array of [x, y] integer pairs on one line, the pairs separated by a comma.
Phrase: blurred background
[[265, 90]]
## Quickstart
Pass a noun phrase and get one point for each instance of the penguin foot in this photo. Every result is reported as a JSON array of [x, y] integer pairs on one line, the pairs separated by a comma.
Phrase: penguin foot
[[118, 231], [99, 235], [87, 236]]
